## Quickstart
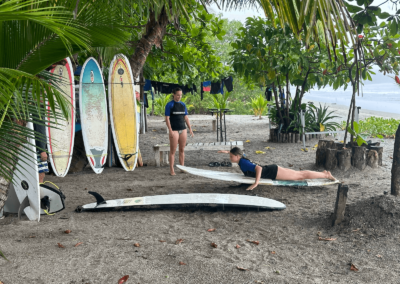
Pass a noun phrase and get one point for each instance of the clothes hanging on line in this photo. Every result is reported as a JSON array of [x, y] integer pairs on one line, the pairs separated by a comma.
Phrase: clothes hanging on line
[[268, 93], [217, 88], [228, 82], [207, 86], [147, 85]]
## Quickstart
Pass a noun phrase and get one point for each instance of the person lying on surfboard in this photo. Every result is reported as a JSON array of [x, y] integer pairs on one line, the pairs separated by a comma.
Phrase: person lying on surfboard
[[273, 172]]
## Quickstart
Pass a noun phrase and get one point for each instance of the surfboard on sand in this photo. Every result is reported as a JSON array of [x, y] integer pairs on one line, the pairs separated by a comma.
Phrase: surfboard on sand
[[240, 178], [122, 107], [61, 136], [93, 112], [193, 199]]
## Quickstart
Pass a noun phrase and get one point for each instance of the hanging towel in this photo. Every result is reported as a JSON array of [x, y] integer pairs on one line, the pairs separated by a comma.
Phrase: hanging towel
[[228, 81], [217, 88], [147, 85]]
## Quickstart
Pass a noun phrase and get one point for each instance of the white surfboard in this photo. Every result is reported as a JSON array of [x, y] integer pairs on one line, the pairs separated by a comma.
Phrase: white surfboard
[[26, 180], [240, 178], [204, 199], [93, 113], [61, 137]]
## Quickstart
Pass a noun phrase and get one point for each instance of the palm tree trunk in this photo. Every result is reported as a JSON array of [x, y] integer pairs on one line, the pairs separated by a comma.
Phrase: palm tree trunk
[[3, 191], [395, 185], [155, 31]]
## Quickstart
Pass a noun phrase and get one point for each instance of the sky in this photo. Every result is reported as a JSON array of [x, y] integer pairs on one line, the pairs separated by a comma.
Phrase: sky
[[243, 14]]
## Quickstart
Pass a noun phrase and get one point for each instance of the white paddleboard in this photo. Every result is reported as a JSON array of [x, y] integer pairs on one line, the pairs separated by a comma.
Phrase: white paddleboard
[[240, 178], [26, 179], [184, 199], [61, 137], [93, 112]]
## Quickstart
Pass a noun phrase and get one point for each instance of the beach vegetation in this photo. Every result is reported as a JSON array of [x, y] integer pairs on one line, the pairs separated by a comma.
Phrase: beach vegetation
[[376, 127], [259, 105]]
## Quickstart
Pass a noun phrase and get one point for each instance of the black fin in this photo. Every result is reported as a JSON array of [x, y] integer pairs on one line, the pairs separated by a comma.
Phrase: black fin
[[23, 205], [99, 198]]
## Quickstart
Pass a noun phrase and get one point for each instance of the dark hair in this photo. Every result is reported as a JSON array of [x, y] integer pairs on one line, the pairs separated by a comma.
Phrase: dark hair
[[238, 152], [177, 89]]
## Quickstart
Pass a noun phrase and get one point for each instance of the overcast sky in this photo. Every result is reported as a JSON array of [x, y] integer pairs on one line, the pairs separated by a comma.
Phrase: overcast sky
[[243, 14]]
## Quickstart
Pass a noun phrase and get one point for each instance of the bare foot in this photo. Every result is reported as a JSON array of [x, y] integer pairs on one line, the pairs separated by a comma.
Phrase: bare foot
[[172, 173], [329, 176]]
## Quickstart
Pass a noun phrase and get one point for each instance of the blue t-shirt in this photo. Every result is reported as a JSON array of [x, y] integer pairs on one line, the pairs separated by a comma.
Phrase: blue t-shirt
[[247, 166], [170, 105]]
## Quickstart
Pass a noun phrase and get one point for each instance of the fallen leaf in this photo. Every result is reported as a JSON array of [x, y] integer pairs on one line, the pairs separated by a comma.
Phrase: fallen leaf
[[181, 263], [391, 157], [123, 279], [154, 130], [237, 246], [78, 244], [368, 250], [162, 241], [194, 130], [178, 241], [60, 245], [327, 239], [214, 245], [277, 272], [304, 149], [254, 242], [290, 165], [153, 137], [247, 141], [316, 146], [210, 230], [67, 231], [85, 188], [318, 233], [241, 268], [32, 237], [356, 230], [353, 267], [136, 245], [260, 152], [258, 281], [378, 255], [273, 252], [129, 189]]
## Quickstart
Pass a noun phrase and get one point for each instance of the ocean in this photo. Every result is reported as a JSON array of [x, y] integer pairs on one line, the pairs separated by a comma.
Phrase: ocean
[[380, 94]]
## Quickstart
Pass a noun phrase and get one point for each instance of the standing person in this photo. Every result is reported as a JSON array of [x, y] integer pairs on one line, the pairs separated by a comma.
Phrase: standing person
[[40, 141], [176, 118]]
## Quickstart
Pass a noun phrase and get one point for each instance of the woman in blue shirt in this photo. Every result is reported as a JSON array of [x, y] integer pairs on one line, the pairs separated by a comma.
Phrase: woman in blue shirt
[[176, 117], [251, 169]]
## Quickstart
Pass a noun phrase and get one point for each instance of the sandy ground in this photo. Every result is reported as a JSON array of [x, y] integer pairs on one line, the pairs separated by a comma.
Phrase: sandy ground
[[288, 250]]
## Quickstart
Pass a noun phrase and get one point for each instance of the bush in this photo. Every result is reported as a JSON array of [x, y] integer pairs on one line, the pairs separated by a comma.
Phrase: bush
[[374, 126]]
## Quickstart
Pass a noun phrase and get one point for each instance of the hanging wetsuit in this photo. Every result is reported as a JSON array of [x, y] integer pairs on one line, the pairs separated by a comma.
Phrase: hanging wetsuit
[[176, 112], [249, 169]]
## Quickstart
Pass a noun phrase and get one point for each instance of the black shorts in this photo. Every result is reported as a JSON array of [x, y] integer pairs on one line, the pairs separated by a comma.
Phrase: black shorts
[[269, 172]]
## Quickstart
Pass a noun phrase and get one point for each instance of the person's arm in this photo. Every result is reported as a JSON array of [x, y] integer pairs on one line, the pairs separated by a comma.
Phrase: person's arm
[[168, 125], [188, 124], [258, 176], [223, 151]]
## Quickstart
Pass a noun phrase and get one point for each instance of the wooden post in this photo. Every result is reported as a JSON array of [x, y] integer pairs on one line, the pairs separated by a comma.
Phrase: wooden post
[[142, 99], [157, 156], [344, 159], [379, 150], [359, 159], [321, 151], [331, 159], [372, 159], [340, 205], [291, 137], [296, 137], [395, 183]]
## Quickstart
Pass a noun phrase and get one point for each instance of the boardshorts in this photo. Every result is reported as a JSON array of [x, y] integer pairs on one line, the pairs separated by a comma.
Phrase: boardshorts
[[42, 165], [268, 172]]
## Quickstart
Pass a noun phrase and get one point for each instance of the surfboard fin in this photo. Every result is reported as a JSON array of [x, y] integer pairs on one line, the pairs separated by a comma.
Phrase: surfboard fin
[[99, 198], [23, 205]]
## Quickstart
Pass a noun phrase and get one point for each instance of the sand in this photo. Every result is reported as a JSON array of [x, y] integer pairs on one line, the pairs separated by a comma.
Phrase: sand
[[288, 252]]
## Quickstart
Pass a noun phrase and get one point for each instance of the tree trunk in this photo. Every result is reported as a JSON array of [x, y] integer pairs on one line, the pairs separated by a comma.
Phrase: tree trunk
[[296, 137], [372, 159], [379, 150], [344, 159], [340, 205], [395, 186], [321, 151], [331, 159], [359, 157]]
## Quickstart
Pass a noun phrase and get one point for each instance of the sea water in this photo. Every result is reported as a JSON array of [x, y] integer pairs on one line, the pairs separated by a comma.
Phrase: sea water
[[380, 94]]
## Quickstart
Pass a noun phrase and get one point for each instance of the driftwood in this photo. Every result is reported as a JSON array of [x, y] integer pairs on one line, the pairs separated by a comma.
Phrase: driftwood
[[359, 159], [321, 151], [344, 159], [372, 159], [330, 159], [340, 205]]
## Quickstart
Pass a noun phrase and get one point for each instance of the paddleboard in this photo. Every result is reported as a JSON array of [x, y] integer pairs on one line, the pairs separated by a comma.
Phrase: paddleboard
[[123, 111], [194, 199], [240, 178], [61, 137], [93, 114], [26, 180]]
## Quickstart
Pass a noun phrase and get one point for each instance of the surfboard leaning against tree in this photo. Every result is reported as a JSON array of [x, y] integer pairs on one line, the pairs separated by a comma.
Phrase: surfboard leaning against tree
[[273, 172], [176, 118]]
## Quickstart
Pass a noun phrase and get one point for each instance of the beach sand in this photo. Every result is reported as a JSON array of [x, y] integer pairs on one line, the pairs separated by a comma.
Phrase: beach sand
[[288, 252]]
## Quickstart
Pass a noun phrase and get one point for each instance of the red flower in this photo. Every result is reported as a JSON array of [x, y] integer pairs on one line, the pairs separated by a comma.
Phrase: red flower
[[324, 72], [360, 36], [397, 79]]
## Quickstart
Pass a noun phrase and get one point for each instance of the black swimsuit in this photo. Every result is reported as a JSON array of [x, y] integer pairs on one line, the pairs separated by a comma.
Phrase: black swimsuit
[[177, 117]]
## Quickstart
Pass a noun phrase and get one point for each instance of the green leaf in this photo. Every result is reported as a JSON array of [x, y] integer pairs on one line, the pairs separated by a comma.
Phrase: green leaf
[[351, 131], [379, 136], [352, 8], [383, 15], [3, 256], [360, 140], [393, 27], [356, 127]]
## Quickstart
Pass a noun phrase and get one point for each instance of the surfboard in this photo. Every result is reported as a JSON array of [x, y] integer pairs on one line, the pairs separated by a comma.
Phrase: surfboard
[[123, 111], [61, 136], [26, 180], [93, 113], [194, 199], [240, 178]]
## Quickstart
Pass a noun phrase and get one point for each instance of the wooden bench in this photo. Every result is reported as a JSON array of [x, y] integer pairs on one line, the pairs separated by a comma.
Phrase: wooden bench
[[161, 152], [202, 119]]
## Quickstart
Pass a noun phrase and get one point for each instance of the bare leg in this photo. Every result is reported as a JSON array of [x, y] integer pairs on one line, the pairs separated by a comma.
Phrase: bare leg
[[173, 142], [41, 177], [182, 144], [288, 174]]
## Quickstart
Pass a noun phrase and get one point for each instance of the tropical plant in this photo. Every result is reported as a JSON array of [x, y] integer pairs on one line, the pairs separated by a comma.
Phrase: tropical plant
[[259, 105], [221, 101], [160, 104], [357, 135], [322, 118]]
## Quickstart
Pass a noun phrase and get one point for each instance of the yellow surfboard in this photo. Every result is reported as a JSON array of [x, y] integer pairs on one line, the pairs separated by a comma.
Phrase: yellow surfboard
[[123, 111]]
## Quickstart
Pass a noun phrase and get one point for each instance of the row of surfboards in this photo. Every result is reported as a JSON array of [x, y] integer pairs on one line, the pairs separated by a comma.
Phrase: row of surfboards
[[94, 118]]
